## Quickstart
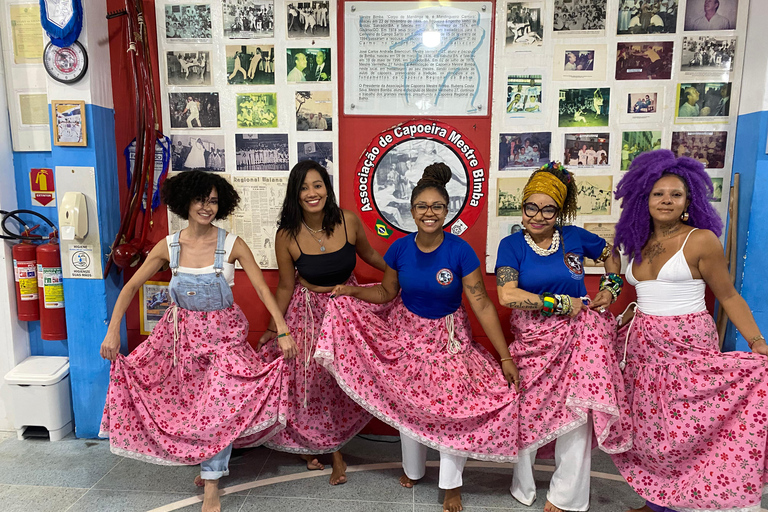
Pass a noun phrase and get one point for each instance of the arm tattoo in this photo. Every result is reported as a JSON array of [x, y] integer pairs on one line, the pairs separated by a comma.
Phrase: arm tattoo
[[506, 275], [477, 291], [526, 304]]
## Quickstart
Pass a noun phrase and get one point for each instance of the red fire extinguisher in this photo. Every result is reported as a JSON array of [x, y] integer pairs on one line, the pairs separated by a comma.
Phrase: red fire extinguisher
[[25, 275], [50, 282]]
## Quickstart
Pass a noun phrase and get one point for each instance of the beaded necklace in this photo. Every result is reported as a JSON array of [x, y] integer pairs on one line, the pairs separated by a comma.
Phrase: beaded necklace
[[544, 252]]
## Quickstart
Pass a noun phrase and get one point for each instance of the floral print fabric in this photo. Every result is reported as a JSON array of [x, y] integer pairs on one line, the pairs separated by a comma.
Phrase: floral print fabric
[[397, 365], [700, 417]]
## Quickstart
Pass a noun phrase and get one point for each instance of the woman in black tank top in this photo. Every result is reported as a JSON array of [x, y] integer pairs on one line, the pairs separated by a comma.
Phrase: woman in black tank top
[[317, 245]]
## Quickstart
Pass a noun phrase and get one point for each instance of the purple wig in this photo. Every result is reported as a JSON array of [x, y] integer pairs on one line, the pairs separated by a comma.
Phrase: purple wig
[[634, 189]]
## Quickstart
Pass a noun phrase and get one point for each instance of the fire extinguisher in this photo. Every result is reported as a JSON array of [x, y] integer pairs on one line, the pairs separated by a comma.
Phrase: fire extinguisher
[[50, 287], [25, 275]]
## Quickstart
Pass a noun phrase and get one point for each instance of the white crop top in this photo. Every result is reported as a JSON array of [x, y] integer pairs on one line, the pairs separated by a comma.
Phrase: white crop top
[[673, 292], [229, 268]]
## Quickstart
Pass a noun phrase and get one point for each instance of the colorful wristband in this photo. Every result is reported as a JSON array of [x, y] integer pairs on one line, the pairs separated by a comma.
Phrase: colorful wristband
[[549, 303], [283, 334]]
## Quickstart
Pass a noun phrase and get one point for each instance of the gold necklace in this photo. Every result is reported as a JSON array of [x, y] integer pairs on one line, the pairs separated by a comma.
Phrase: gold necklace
[[318, 240]]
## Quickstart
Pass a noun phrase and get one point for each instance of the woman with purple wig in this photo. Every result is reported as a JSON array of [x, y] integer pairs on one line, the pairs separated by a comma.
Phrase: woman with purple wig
[[700, 418]]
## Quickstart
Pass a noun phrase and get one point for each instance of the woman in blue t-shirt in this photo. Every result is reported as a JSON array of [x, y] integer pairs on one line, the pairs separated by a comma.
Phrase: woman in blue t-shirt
[[415, 365], [568, 366]]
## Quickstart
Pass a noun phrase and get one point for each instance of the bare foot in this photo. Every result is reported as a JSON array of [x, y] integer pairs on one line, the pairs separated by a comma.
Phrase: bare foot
[[339, 473], [211, 501], [644, 508], [452, 501], [548, 507], [199, 481], [407, 482], [312, 462]]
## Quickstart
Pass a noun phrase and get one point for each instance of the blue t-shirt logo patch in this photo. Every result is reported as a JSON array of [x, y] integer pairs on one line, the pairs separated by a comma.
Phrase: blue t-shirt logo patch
[[573, 262], [444, 276]]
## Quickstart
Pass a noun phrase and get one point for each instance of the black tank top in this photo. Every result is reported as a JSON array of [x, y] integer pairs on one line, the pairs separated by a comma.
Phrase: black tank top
[[327, 268]]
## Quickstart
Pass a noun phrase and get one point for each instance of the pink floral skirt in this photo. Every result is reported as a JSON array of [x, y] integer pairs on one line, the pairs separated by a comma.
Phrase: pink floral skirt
[[182, 402], [399, 367], [700, 417], [569, 369], [321, 418]]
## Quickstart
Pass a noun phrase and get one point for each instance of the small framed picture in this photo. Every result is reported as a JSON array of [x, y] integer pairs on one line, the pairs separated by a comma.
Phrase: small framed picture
[[69, 123], [154, 299]]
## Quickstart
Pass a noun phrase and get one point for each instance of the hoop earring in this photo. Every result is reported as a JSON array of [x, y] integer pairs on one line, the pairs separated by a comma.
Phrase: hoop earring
[[684, 217]]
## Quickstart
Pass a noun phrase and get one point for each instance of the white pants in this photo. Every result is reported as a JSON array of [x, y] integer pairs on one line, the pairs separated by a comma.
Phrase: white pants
[[415, 463], [569, 486]]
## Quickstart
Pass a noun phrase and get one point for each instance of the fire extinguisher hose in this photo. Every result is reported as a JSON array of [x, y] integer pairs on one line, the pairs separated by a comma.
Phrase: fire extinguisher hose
[[14, 215]]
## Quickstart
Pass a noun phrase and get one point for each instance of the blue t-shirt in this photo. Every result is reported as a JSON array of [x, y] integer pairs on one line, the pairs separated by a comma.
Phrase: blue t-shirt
[[561, 272], [431, 281]]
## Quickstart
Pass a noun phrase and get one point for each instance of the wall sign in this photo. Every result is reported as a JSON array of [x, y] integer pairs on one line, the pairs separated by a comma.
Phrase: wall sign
[[392, 164], [43, 187]]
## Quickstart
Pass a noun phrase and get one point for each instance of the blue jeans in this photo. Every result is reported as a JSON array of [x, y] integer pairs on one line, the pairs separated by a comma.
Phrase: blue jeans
[[217, 466]]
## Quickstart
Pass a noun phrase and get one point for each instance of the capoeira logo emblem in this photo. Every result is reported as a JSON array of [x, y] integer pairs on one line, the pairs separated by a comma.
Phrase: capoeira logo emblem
[[573, 262], [444, 277]]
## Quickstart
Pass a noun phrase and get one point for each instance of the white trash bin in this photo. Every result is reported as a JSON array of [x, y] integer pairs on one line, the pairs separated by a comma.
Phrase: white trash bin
[[41, 398]]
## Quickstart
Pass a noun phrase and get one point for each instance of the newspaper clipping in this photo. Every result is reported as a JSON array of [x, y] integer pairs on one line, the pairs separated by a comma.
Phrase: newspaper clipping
[[255, 220]]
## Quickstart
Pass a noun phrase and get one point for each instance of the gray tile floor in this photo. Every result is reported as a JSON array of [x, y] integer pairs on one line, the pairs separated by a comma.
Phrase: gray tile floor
[[81, 475]]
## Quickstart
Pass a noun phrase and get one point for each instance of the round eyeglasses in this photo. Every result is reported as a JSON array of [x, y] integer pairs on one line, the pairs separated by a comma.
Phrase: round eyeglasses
[[548, 212]]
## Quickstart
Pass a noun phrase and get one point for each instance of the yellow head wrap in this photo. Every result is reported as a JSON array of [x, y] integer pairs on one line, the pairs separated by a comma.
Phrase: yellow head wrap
[[543, 182]]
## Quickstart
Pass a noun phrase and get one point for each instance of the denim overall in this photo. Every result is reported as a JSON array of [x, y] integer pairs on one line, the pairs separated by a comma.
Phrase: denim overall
[[201, 292]]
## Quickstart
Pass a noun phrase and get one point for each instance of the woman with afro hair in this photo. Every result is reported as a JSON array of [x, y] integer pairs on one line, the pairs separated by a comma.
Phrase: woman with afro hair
[[700, 424], [570, 378], [195, 387]]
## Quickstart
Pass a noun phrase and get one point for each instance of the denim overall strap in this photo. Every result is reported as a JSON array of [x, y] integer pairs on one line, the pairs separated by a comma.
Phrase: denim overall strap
[[175, 251], [218, 262]]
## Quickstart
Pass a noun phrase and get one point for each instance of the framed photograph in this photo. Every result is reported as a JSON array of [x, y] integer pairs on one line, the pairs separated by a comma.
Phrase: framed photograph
[[525, 30], [248, 19], [708, 54], [320, 152], [717, 192], [201, 152], [154, 299], [510, 196], [194, 109], [595, 194], [647, 17], [644, 61], [699, 100], [586, 17], [640, 105], [251, 65], [256, 110], [261, 151], [606, 231], [524, 96], [711, 14], [584, 107], [524, 150], [188, 68], [309, 65], [579, 62], [308, 20], [706, 147], [69, 128], [188, 23], [586, 149], [314, 111], [634, 143]]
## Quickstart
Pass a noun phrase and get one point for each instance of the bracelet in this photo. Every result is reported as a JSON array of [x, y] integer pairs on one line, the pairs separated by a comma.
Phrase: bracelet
[[271, 330], [754, 340], [564, 305], [549, 302], [613, 283], [605, 254], [506, 359], [284, 334]]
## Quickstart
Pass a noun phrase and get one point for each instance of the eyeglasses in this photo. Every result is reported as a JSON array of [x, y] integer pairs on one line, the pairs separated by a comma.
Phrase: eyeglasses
[[212, 201], [437, 208], [548, 212]]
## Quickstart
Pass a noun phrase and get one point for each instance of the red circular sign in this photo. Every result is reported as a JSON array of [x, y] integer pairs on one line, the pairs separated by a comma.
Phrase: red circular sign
[[393, 162]]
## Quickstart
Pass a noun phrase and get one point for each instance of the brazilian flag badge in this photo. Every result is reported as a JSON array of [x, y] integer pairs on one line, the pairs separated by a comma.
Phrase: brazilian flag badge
[[382, 230]]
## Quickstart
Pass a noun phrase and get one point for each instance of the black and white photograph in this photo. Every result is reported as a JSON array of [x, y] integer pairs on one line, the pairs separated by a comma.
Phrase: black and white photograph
[[197, 152], [523, 150], [572, 17], [308, 20], [248, 19], [636, 143], [261, 151], [251, 64], [647, 17], [703, 100], [642, 103], [580, 62], [584, 107], [523, 95], [586, 149], [194, 109], [711, 14], [595, 195], [644, 61], [708, 54], [308, 64], [188, 22], [320, 152], [398, 171], [189, 68], [314, 111], [706, 147], [525, 29], [510, 196]]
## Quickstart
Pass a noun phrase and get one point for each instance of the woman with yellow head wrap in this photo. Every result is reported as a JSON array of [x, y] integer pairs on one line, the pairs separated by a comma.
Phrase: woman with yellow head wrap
[[570, 378]]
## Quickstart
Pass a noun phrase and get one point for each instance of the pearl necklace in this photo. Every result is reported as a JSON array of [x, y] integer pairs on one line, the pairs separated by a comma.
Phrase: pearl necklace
[[311, 233], [544, 252]]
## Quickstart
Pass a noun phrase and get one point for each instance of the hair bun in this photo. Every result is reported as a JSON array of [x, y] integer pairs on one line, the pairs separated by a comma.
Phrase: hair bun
[[438, 173]]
